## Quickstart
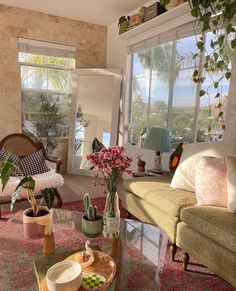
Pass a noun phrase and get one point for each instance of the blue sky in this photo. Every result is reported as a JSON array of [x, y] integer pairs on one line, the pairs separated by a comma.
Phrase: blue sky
[[184, 88]]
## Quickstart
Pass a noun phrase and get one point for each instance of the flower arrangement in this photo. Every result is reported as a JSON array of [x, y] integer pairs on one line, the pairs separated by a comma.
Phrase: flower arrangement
[[111, 163]]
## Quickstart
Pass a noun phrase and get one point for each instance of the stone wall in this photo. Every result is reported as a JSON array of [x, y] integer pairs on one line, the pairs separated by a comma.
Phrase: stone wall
[[15, 23]]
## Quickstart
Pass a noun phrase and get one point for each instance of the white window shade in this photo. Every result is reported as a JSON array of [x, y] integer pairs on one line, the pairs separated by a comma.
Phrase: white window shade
[[173, 34], [45, 48], [180, 32]]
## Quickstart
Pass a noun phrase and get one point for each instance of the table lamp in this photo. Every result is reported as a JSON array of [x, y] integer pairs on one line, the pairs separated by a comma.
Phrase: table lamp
[[158, 139]]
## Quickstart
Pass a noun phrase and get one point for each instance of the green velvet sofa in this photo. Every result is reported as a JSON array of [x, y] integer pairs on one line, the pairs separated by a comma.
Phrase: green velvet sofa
[[207, 233]]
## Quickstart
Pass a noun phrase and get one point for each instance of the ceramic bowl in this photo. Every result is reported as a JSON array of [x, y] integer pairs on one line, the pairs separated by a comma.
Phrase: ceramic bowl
[[64, 276]]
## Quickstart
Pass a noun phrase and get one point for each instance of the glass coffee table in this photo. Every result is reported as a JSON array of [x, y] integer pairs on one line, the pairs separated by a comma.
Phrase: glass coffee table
[[139, 253]]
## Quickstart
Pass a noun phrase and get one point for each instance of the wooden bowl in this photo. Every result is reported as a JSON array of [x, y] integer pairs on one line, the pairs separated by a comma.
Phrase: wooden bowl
[[103, 265]]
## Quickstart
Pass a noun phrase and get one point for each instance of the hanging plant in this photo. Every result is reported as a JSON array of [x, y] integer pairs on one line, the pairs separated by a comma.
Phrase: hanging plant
[[215, 16]]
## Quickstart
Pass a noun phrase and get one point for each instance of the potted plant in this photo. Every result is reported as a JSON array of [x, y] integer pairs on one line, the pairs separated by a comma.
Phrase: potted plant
[[37, 220], [92, 220], [141, 164]]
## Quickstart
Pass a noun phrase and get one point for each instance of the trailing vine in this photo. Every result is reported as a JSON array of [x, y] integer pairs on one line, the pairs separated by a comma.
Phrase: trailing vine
[[215, 16]]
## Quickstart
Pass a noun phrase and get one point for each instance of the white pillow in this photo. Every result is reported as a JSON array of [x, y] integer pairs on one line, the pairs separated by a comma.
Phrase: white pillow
[[184, 177], [231, 182]]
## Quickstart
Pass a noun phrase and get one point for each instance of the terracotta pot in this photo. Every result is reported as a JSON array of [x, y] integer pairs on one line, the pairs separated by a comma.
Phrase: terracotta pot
[[37, 227], [91, 228], [141, 166]]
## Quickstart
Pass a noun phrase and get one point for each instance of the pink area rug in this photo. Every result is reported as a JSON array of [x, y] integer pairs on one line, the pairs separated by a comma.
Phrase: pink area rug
[[197, 278]]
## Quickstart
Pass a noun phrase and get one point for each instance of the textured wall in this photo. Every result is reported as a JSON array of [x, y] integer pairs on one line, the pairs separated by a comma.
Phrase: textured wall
[[15, 23]]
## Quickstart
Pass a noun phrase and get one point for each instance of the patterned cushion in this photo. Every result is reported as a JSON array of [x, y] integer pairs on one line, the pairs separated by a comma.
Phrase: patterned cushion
[[210, 181], [34, 164], [15, 160]]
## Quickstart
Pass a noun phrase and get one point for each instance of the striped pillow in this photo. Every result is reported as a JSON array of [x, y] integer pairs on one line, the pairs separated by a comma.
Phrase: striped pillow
[[14, 159], [34, 164]]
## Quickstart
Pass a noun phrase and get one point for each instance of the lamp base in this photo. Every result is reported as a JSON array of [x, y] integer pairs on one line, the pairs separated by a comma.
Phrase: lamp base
[[157, 171]]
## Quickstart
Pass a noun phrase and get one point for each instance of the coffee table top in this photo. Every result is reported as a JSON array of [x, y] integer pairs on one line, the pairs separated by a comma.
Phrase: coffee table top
[[139, 252]]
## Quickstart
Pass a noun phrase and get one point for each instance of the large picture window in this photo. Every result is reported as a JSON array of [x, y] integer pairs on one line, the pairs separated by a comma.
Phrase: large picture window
[[163, 94], [46, 84]]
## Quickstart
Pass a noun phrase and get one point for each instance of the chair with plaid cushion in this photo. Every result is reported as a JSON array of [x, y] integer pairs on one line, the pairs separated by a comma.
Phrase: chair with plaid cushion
[[30, 157]]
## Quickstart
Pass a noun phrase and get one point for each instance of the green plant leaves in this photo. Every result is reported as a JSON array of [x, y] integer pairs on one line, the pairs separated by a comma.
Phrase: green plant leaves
[[202, 93], [48, 195], [6, 168], [233, 43], [227, 75]]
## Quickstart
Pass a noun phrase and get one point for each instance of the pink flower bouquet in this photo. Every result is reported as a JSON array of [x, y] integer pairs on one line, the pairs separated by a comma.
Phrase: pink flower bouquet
[[112, 163]]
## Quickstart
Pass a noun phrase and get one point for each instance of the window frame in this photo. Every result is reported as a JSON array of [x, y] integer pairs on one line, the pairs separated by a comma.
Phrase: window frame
[[199, 85]]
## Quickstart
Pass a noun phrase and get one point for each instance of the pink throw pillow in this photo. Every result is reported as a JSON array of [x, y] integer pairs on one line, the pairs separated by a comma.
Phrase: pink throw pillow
[[211, 181]]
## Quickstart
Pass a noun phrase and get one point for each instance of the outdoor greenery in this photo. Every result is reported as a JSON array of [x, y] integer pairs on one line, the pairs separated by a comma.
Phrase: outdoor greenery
[[46, 91], [216, 16], [47, 122], [216, 47]]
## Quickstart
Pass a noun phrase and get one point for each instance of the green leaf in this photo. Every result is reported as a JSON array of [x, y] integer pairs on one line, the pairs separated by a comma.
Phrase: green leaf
[[195, 73], [220, 113], [233, 43], [220, 39], [218, 7], [6, 168], [202, 93], [216, 56], [220, 64], [219, 105], [217, 95], [216, 84], [200, 45], [227, 75], [194, 12], [48, 195], [209, 128]]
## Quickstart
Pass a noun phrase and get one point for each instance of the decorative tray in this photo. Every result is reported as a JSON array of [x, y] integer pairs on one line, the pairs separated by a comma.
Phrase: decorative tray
[[103, 265]]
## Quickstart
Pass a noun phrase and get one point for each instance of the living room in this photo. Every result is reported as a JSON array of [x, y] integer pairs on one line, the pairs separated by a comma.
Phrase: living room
[[157, 82]]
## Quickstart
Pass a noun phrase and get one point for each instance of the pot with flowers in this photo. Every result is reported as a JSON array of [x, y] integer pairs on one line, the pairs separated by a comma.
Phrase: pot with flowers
[[111, 163], [37, 220]]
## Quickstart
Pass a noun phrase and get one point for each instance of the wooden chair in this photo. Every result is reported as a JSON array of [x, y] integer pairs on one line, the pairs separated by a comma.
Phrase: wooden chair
[[22, 146]]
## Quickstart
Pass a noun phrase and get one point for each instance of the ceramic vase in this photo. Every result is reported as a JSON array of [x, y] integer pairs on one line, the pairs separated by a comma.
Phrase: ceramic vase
[[111, 217]]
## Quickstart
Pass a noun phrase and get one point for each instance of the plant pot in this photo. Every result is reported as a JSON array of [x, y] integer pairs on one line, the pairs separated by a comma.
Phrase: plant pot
[[141, 166], [91, 228], [39, 226]]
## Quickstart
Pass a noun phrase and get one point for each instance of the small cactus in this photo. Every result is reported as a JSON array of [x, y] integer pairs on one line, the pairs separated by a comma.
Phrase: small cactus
[[91, 212]]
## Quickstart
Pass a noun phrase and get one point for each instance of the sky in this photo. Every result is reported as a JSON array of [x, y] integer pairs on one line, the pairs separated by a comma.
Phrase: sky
[[184, 92]]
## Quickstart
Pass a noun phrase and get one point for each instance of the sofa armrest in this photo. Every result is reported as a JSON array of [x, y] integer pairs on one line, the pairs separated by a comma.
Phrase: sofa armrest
[[56, 161]]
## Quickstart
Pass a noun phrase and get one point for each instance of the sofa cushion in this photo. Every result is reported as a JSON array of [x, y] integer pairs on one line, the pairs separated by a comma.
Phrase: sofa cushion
[[34, 164], [210, 181], [49, 179], [216, 223], [231, 182], [184, 177], [156, 190]]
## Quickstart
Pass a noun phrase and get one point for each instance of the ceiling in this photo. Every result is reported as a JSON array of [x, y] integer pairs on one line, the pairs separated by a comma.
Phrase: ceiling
[[104, 12]]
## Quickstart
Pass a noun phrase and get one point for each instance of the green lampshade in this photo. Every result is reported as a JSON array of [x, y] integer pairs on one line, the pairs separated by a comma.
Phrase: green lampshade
[[158, 139]]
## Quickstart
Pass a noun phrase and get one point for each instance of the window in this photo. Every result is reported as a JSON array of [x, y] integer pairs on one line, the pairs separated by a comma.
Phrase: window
[[164, 95], [106, 136], [46, 90]]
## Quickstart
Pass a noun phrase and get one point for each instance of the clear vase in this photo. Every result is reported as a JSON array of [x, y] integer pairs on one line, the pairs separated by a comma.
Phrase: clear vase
[[111, 216]]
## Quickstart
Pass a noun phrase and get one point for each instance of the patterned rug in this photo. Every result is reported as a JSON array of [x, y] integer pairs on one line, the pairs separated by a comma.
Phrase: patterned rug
[[197, 278]]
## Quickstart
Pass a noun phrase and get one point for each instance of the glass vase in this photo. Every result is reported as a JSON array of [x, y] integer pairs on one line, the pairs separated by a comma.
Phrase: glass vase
[[111, 216]]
